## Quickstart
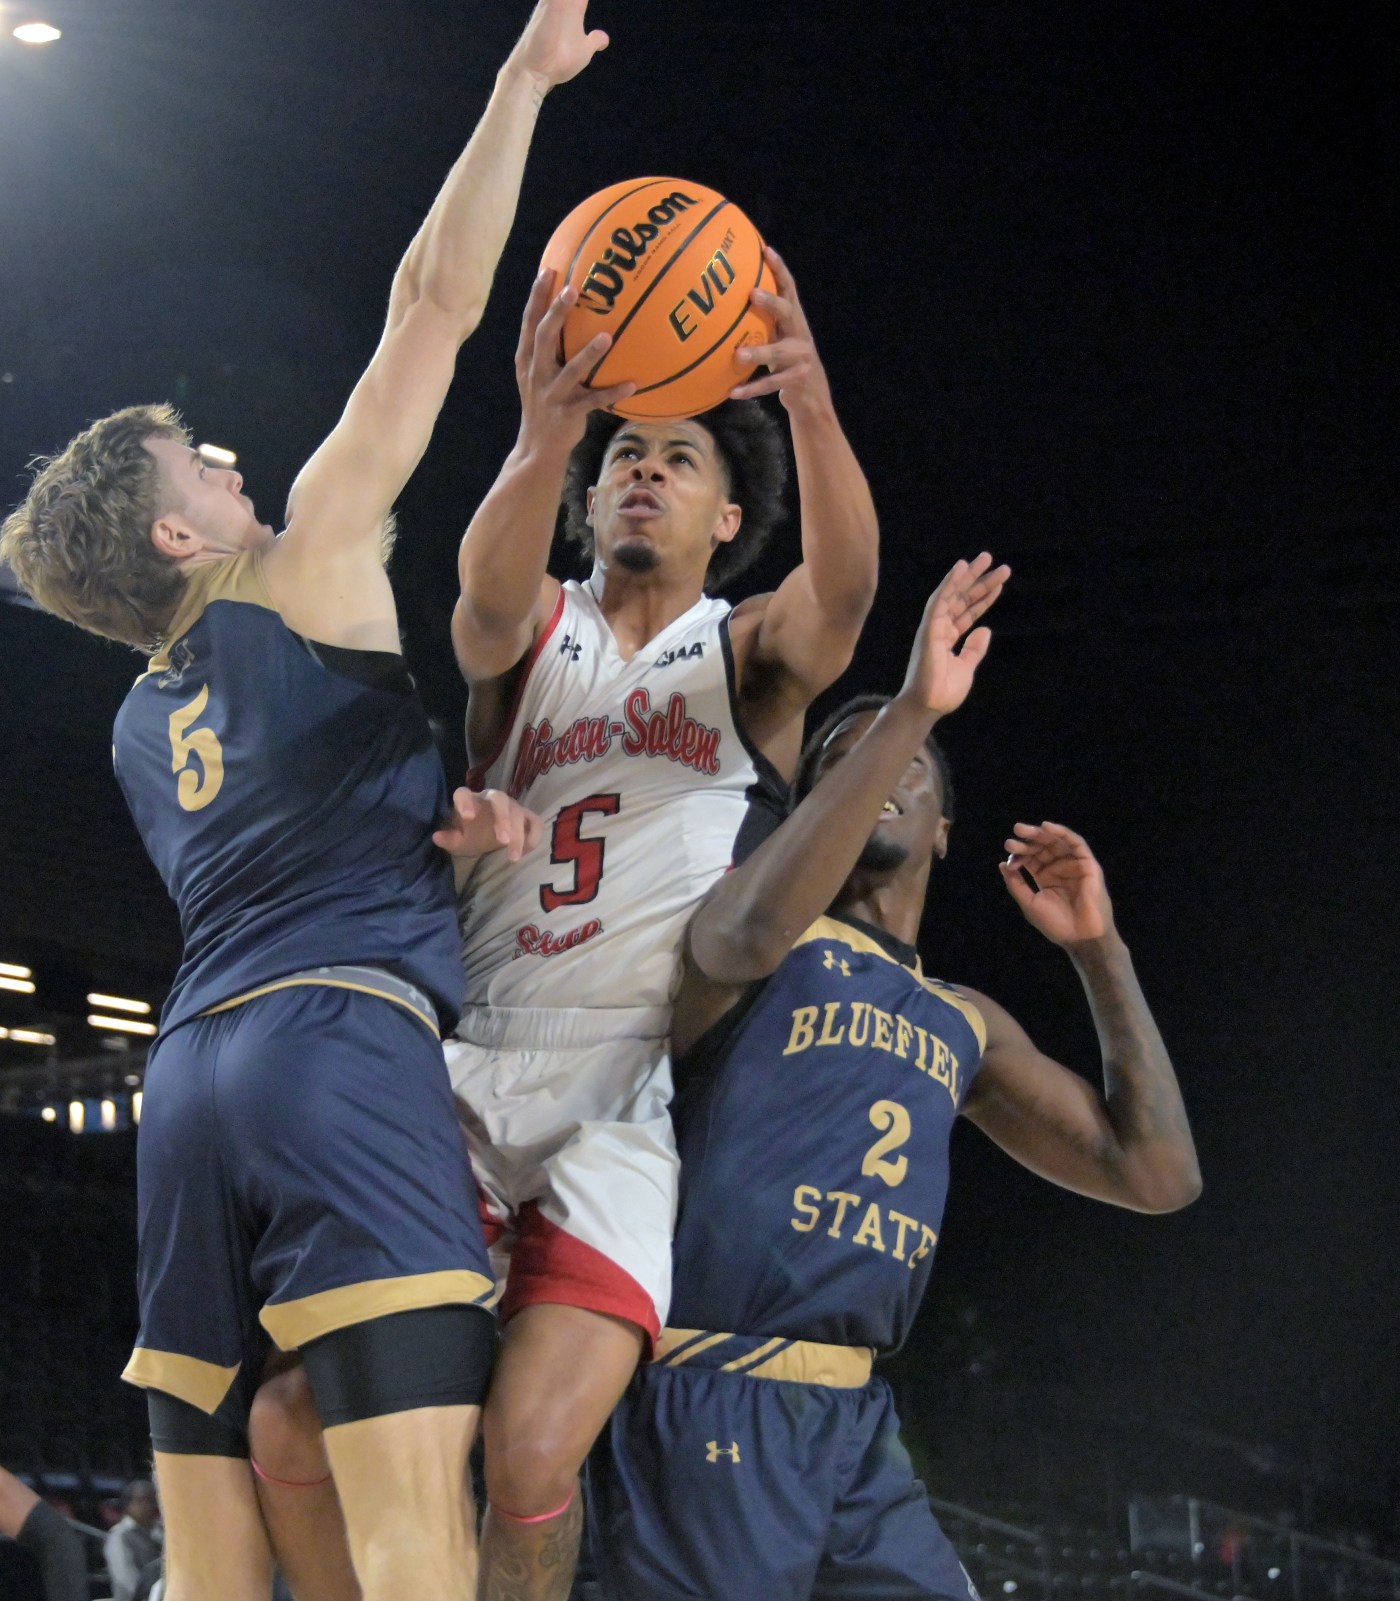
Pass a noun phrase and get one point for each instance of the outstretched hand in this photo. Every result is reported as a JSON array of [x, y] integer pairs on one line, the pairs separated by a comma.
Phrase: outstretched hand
[[795, 372], [554, 46], [940, 676], [488, 821], [554, 400], [1067, 899]]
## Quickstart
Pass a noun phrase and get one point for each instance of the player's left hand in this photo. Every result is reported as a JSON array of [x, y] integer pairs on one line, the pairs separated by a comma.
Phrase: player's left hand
[[554, 46], [795, 372], [1070, 903], [489, 821], [939, 676]]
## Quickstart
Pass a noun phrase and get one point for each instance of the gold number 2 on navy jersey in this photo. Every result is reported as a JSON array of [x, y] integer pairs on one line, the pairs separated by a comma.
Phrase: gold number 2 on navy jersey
[[199, 784], [891, 1117]]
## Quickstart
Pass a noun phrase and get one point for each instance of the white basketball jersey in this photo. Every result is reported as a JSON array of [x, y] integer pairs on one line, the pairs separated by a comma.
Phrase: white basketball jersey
[[644, 779]]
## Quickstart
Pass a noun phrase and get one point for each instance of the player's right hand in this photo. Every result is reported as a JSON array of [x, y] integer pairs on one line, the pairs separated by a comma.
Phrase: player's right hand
[[554, 47], [554, 402], [939, 675], [489, 820]]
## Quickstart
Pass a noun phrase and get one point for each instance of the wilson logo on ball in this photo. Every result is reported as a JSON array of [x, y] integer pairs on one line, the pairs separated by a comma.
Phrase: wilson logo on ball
[[668, 269], [604, 282]]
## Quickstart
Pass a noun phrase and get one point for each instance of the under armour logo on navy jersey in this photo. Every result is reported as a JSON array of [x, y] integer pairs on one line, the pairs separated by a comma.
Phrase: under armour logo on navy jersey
[[570, 649], [181, 658], [680, 653], [714, 1451], [832, 962]]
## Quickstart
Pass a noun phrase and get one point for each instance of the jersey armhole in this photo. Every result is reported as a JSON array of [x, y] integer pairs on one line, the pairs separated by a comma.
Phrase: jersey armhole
[[476, 773]]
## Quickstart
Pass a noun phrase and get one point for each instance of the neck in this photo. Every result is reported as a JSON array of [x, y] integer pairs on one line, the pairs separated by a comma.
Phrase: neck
[[639, 606], [893, 902]]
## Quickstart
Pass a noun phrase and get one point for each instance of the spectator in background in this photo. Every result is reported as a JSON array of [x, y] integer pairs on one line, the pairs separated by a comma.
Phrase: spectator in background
[[134, 1544], [47, 1536]]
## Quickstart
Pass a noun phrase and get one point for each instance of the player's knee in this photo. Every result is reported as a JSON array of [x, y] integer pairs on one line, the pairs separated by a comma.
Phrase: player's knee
[[531, 1473], [284, 1429]]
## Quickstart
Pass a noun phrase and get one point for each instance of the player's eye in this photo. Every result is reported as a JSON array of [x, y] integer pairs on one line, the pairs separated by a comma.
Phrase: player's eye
[[681, 457]]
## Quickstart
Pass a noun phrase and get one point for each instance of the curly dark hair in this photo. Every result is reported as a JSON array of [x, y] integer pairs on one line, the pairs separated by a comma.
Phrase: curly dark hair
[[751, 448], [811, 751]]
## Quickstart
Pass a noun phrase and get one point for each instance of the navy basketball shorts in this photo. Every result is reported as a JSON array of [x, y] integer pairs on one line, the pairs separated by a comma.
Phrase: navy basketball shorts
[[730, 1487], [299, 1170]]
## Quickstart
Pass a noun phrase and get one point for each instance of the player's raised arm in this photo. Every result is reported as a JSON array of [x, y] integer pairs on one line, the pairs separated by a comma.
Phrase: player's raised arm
[[748, 923], [342, 495], [812, 621], [1130, 1145], [506, 594]]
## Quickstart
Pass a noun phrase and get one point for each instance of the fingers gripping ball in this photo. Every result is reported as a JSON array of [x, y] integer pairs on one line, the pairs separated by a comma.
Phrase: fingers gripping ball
[[666, 267]]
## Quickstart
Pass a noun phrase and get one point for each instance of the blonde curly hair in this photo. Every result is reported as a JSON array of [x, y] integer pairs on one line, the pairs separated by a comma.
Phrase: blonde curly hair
[[80, 544]]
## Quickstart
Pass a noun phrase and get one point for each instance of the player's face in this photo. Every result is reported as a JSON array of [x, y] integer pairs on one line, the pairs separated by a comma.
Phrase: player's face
[[912, 827], [206, 501], [661, 498]]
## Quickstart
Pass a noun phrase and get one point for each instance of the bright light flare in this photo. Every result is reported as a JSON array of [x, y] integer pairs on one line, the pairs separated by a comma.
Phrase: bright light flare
[[50, 1114], [136, 1100], [26, 1036], [109, 1116], [218, 456], [13, 970], [77, 1115], [37, 33], [126, 1025], [21, 986], [119, 1003]]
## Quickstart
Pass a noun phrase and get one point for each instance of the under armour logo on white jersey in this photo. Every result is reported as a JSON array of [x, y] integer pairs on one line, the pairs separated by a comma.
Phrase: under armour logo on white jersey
[[570, 649], [714, 1451]]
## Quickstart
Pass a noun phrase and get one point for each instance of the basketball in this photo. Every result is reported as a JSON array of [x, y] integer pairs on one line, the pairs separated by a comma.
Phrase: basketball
[[666, 268]]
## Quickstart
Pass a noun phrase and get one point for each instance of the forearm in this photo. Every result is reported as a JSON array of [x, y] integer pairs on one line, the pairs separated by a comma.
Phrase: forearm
[[505, 550], [453, 257], [757, 911], [1155, 1153], [840, 531]]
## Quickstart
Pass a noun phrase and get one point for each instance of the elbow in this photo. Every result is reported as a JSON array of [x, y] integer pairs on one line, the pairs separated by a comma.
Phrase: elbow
[[736, 951], [1170, 1192]]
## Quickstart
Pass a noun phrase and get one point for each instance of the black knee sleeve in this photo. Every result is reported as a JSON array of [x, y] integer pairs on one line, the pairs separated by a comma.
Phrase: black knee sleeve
[[435, 1356], [183, 1430]]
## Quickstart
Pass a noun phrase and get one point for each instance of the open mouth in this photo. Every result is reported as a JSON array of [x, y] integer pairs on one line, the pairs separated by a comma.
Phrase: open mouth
[[890, 809], [640, 503]]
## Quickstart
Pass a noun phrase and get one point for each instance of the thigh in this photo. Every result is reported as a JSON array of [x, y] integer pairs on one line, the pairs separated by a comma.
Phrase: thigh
[[215, 1542], [355, 1180], [885, 1543], [707, 1484]]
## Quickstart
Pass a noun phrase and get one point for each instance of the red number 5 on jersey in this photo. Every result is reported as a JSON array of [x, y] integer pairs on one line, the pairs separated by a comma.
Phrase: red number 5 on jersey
[[565, 845]]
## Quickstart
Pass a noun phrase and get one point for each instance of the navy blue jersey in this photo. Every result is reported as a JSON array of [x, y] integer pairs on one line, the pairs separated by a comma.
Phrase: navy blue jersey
[[287, 793], [813, 1125]]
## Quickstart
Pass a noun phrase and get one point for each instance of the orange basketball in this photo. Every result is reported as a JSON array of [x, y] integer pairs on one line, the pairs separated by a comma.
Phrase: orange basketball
[[665, 267]]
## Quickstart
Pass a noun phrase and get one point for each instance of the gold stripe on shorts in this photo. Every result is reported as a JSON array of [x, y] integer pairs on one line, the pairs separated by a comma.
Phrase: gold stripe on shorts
[[202, 1384], [840, 1367], [293, 1323]]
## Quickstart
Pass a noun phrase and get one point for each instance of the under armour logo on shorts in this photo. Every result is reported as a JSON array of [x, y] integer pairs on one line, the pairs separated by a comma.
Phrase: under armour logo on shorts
[[714, 1451]]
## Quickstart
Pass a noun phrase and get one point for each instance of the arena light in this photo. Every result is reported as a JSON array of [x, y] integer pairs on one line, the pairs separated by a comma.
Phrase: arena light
[[27, 1036], [125, 1025], [13, 970], [50, 1114], [132, 1081], [109, 1116], [119, 1003], [136, 1100], [77, 1113], [21, 986], [37, 33], [218, 456]]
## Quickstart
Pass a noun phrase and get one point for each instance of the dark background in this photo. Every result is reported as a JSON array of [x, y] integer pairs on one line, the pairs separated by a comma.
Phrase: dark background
[[1108, 289]]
